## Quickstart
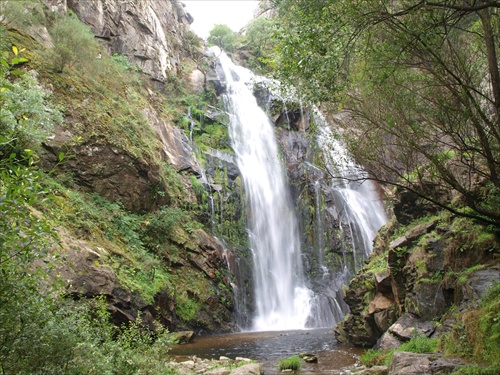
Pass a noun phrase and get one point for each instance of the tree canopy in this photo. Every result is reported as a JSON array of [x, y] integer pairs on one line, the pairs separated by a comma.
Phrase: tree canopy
[[421, 82]]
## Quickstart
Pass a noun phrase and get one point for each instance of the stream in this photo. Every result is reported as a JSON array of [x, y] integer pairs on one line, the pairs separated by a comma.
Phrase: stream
[[269, 347]]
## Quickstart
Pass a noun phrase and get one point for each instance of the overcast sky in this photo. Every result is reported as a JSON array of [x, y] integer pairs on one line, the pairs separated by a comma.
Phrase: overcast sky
[[207, 13]]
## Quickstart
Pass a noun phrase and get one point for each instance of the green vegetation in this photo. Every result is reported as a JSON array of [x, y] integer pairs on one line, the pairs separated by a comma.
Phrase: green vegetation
[[291, 363], [412, 76], [418, 344], [476, 336], [224, 37]]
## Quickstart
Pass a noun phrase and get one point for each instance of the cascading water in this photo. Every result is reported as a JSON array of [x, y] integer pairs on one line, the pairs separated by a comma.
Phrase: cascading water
[[358, 202], [282, 299]]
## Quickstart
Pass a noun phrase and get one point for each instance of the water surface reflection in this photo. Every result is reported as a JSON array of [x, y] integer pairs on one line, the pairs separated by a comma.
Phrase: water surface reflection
[[270, 347]]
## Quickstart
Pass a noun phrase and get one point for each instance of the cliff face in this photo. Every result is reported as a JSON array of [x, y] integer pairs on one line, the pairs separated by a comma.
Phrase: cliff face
[[148, 32], [124, 147]]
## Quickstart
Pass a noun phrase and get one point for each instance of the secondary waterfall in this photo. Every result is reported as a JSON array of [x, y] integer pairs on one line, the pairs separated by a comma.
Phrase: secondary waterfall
[[281, 297], [356, 198]]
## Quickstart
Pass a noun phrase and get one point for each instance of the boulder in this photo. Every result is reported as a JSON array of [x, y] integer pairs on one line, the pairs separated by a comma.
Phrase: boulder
[[387, 342], [250, 369], [404, 363], [408, 325]]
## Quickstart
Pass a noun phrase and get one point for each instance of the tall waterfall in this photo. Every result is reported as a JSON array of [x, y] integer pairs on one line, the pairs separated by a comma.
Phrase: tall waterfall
[[282, 299]]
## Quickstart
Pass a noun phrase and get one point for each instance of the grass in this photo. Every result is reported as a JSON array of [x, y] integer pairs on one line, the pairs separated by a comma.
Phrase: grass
[[291, 363], [418, 344]]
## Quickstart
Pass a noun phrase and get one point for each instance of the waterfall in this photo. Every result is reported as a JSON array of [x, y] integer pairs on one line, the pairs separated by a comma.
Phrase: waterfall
[[355, 196], [281, 297]]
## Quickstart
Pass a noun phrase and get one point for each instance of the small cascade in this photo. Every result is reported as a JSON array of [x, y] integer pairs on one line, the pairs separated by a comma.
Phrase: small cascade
[[212, 212], [319, 225], [282, 300], [355, 196]]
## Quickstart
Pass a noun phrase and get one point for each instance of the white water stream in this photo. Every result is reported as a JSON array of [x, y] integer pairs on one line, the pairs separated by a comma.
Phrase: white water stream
[[282, 300]]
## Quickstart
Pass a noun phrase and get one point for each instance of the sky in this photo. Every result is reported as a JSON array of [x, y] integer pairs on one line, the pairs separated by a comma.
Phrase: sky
[[207, 13]]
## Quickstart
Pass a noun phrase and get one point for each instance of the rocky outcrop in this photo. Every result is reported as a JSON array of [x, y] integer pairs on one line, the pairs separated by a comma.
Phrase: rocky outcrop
[[111, 172], [150, 33], [87, 275], [417, 286]]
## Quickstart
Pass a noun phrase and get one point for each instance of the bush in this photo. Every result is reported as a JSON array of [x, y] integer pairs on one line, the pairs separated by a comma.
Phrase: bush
[[26, 117], [74, 44], [419, 344], [291, 363]]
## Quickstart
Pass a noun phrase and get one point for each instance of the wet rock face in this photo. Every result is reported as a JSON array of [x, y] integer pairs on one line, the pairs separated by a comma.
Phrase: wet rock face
[[148, 32]]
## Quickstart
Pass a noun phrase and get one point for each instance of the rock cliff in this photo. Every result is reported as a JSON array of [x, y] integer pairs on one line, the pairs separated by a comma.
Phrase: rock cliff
[[121, 145], [149, 33]]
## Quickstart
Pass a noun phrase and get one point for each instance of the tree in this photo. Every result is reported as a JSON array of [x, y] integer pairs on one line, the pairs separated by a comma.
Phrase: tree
[[421, 81], [224, 37]]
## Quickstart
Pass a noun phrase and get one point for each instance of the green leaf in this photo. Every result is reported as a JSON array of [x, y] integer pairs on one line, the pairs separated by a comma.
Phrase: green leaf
[[16, 72]]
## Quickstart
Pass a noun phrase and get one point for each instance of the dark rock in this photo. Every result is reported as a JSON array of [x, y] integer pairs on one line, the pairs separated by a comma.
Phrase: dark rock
[[426, 300], [384, 319], [479, 283], [110, 172], [383, 281]]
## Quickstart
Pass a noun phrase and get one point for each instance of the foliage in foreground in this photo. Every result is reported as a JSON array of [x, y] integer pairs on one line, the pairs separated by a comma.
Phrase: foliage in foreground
[[290, 363], [476, 336]]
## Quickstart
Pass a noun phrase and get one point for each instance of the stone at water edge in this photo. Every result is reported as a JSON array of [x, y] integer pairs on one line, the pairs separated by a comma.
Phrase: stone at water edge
[[181, 337], [308, 357], [250, 369]]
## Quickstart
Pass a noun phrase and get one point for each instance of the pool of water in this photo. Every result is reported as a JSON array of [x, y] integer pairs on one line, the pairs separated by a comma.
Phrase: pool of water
[[269, 347]]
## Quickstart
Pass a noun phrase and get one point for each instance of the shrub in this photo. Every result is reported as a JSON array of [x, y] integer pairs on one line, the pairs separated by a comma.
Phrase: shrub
[[26, 117], [74, 44], [291, 363]]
